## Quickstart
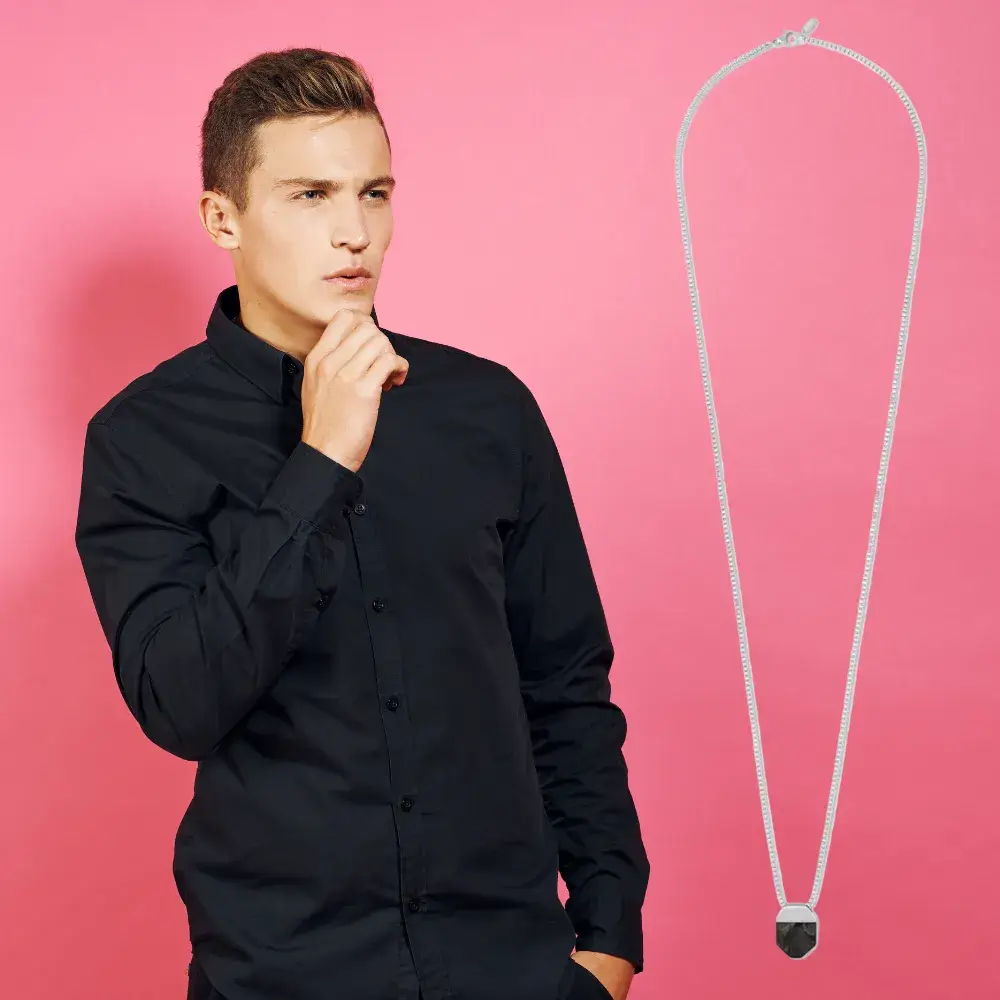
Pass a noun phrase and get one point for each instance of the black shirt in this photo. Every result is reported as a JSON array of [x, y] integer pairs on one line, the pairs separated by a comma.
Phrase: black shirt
[[395, 682]]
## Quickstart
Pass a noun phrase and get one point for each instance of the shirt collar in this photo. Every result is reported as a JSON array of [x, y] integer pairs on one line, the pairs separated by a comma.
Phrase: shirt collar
[[271, 369]]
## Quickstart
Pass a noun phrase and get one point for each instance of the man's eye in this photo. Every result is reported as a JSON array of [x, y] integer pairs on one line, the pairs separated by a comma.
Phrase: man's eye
[[382, 194]]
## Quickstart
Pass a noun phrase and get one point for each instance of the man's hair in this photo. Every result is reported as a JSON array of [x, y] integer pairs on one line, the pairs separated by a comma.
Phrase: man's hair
[[287, 84]]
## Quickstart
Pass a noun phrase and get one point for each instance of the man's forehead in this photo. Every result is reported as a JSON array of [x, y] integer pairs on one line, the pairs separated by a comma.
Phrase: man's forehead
[[326, 130], [297, 149]]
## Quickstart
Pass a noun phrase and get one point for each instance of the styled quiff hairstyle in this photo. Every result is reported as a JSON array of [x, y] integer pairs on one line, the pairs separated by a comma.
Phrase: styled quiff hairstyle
[[287, 84]]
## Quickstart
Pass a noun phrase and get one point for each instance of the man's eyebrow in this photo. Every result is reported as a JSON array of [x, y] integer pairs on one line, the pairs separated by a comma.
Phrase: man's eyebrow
[[325, 184]]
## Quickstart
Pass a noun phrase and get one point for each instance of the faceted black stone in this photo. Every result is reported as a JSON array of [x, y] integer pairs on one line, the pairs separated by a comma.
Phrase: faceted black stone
[[797, 939]]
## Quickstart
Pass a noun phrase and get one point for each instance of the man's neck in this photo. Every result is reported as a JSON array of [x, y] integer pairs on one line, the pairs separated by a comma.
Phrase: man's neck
[[279, 340]]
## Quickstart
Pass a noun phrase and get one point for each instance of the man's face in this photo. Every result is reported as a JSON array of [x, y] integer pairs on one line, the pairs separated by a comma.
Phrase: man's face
[[312, 211]]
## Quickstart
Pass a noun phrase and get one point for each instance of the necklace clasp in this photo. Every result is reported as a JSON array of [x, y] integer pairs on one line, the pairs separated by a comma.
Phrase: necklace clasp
[[799, 37]]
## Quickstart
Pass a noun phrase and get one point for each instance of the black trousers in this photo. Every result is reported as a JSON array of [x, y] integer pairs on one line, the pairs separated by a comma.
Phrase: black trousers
[[577, 983]]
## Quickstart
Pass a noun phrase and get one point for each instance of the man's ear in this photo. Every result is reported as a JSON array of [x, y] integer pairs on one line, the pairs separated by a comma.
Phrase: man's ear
[[219, 219]]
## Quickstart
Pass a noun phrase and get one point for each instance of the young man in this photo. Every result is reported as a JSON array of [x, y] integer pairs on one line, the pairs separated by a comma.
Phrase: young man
[[369, 615]]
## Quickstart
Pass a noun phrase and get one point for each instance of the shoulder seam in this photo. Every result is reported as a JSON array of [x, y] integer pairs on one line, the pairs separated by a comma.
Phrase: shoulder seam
[[160, 385], [116, 434]]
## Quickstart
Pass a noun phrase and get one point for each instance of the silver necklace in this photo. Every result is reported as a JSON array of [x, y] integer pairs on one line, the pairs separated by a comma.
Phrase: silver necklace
[[797, 931]]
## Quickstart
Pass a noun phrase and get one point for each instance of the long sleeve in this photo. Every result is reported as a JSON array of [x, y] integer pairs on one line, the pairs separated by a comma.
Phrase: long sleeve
[[195, 642], [564, 654]]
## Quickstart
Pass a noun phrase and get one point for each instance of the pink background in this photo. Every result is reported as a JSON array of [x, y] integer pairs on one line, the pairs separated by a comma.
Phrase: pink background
[[536, 224]]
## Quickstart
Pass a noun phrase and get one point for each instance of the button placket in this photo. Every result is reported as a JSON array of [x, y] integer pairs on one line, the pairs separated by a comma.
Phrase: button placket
[[399, 737]]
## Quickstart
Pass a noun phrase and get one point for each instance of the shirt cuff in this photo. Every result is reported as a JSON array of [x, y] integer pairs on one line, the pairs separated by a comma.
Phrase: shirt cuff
[[622, 938], [315, 487]]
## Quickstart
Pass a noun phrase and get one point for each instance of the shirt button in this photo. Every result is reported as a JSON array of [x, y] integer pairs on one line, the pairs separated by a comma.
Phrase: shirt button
[[378, 604], [392, 703], [406, 804], [291, 367], [321, 603], [414, 905], [360, 508]]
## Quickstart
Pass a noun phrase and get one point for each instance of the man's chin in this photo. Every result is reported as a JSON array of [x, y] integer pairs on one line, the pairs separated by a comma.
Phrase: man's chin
[[321, 320], [359, 303]]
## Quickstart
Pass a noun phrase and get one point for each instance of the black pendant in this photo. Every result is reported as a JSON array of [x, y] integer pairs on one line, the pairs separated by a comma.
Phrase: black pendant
[[798, 930]]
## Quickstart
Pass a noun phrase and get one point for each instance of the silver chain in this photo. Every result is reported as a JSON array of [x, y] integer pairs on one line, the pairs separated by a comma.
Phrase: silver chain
[[790, 39]]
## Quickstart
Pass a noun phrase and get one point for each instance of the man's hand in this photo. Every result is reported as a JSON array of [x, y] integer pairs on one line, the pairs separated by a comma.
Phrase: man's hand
[[345, 374], [614, 973]]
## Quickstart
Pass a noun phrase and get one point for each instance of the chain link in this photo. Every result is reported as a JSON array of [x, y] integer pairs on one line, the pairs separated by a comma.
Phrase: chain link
[[790, 39]]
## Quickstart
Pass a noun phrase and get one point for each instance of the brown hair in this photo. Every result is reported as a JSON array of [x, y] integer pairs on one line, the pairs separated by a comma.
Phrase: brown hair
[[275, 85]]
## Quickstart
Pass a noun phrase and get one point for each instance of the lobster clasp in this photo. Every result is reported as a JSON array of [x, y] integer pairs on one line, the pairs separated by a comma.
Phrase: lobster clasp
[[798, 37]]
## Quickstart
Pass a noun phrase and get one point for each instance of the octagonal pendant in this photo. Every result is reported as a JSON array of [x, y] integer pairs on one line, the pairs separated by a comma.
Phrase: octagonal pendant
[[797, 930]]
